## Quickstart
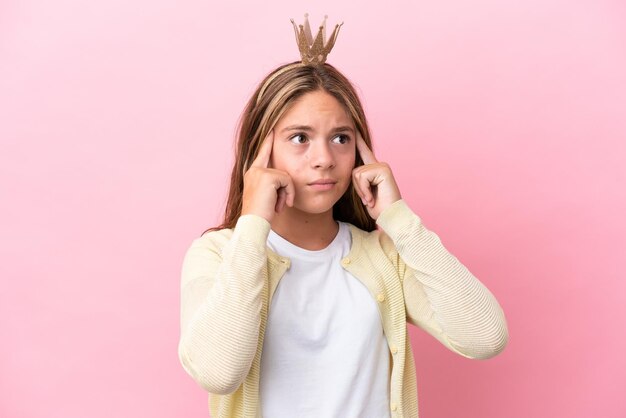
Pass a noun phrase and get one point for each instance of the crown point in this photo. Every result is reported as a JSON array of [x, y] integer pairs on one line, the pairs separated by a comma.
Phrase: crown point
[[314, 50]]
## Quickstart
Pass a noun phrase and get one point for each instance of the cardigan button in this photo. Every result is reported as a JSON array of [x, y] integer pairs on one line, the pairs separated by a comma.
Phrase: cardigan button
[[380, 297], [346, 260], [394, 349], [394, 406]]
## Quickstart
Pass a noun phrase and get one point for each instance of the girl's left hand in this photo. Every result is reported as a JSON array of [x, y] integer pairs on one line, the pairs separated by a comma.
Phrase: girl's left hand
[[373, 181]]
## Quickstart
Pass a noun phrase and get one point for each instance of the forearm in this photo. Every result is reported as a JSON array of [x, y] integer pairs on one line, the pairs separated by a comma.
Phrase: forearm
[[442, 296], [221, 304]]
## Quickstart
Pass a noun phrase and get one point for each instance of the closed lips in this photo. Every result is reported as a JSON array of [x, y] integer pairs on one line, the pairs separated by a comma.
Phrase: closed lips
[[324, 181]]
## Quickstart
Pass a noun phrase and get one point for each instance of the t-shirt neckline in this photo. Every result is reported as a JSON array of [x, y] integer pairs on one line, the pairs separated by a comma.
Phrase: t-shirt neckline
[[293, 250]]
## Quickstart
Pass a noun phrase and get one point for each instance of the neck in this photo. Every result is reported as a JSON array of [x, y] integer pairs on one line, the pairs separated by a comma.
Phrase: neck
[[309, 231]]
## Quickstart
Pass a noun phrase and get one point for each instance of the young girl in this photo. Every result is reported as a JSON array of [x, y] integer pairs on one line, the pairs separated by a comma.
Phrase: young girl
[[296, 306]]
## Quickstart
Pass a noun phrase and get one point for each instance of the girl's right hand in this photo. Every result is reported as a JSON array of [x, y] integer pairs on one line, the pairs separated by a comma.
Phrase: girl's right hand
[[266, 190]]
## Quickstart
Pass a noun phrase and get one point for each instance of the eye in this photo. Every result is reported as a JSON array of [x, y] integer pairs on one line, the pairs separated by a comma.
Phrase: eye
[[298, 139], [341, 139]]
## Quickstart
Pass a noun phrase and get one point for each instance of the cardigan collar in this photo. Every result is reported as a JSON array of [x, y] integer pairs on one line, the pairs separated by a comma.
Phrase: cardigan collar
[[278, 265]]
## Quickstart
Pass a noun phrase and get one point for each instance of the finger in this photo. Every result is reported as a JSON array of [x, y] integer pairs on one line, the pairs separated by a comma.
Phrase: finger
[[366, 187], [280, 201], [286, 192], [366, 154], [362, 186], [361, 195], [263, 157], [357, 187], [290, 190]]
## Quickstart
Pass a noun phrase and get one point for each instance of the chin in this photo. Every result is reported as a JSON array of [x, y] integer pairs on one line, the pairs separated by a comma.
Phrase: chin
[[316, 208], [313, 210]]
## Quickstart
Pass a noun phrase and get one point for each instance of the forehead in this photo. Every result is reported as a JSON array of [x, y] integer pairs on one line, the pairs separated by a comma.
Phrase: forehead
[[316, 108]]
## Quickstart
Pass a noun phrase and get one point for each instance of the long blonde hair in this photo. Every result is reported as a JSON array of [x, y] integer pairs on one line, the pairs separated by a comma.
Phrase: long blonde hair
[[271, 99]]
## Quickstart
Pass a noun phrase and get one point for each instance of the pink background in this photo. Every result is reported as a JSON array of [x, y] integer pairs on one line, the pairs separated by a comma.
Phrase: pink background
[[504, 123]]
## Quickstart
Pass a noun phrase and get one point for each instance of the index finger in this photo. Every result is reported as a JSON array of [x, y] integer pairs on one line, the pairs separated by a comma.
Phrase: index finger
[[263, 157], [366, 154]]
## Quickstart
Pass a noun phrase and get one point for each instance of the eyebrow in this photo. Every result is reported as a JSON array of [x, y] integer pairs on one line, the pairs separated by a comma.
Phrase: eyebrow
[[309, 129]]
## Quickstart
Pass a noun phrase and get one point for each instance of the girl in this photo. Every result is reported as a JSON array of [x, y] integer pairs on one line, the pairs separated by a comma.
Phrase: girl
[[297, 305]]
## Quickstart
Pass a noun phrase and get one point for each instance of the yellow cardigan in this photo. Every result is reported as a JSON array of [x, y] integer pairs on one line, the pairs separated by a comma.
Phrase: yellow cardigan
[[229, 277]]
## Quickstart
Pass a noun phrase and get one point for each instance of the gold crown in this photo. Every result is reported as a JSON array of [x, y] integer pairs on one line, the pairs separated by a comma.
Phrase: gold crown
[[314, 51]]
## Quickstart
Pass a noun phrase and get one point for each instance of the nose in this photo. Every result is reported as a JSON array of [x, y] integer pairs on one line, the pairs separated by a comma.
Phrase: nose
[[321, 155]]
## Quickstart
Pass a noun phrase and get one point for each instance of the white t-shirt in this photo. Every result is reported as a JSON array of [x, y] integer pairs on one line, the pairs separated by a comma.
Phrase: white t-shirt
[[324, 352]]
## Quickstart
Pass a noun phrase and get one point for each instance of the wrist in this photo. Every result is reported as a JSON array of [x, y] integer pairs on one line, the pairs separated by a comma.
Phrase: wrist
[[254, 227], [396, 218]]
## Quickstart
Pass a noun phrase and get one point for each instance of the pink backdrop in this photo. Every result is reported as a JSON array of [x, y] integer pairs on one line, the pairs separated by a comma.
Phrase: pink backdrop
[[504, 122]]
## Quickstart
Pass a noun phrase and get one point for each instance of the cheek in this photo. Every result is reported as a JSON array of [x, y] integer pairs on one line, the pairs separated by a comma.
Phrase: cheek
[[287, 164], [348, 160], [278, 158]]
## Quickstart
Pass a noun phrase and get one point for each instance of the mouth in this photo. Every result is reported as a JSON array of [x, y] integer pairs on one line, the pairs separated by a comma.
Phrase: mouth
[[323, 181], [323, 184]]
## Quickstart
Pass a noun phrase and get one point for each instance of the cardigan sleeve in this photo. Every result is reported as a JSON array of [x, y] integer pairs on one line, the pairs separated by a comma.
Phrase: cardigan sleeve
[[441, 295], [222, 282]]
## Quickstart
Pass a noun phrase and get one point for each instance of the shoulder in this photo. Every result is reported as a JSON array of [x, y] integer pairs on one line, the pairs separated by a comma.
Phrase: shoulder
[[204, 254], [209, 243], [217, 237], [249, 230]]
